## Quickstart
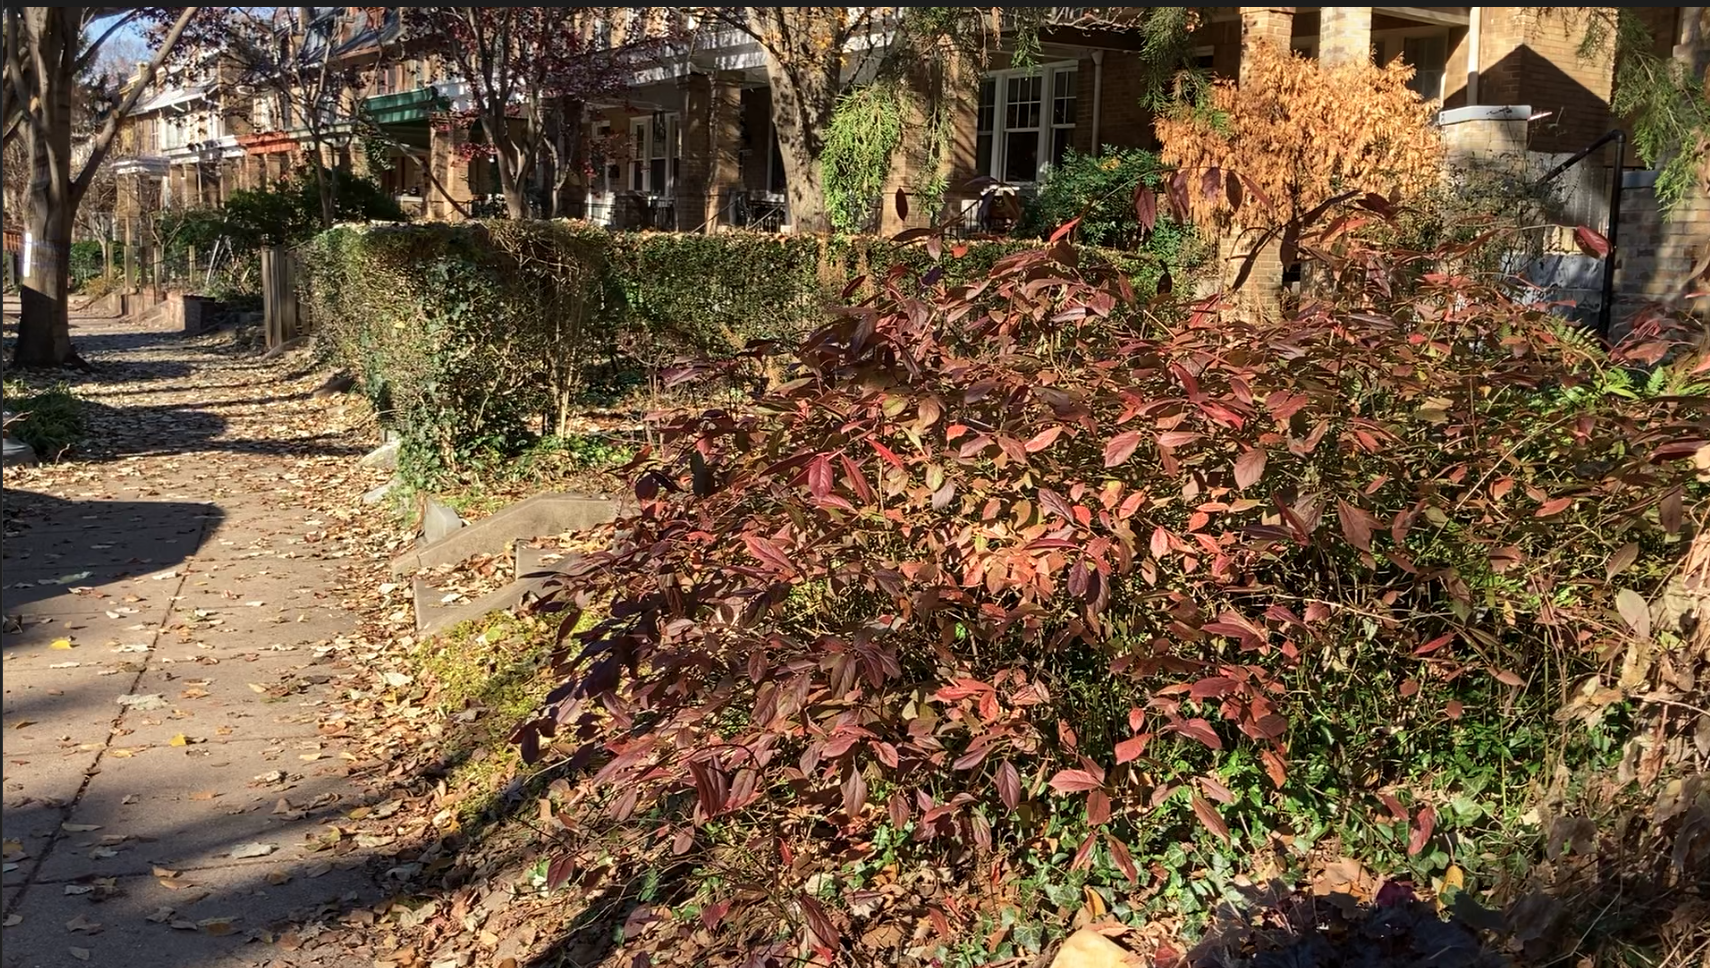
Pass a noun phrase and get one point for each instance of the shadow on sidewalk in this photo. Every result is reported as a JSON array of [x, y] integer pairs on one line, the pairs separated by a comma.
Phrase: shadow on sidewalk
[[53, 546]]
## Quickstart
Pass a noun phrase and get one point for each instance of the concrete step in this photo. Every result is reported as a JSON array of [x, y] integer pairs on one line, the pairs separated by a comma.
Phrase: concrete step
[[538, 516]]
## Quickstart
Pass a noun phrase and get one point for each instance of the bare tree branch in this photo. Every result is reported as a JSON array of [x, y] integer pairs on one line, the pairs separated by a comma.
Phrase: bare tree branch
[[104, 140], [94, 49]]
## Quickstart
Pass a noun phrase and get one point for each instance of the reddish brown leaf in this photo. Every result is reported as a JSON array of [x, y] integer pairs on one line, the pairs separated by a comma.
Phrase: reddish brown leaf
[[768, 553], [1123, 859], [819, 476], [1160, 544], [1074, 781], [714, 913], [1209, 816], [1250, 467], [1215, 790], [1098, 808], [1009, 785], [1177, 438], [854, 793], [1590, 242], [1083, 853], [1274, 767], [1064, 229], [1554, 506], [1356, 525], [1621, 560], [1394, 806], [1669, 511], [1132, 748], [1423, 824], [1200, 730], [824, 931], [1043, 439], [1145, 207], [1121, 447]]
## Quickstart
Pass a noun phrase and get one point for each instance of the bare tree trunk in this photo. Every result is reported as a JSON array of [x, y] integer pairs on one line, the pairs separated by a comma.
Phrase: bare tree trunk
[[803, 99], [44, 326]]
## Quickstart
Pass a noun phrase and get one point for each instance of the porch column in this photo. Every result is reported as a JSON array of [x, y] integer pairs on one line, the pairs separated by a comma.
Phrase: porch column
[[1344, 36], [709, 163], [1269, 25]]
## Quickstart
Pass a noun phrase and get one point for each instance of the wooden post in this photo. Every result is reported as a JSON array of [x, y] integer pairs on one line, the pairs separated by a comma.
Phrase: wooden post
[[190, 258], [130, 253]]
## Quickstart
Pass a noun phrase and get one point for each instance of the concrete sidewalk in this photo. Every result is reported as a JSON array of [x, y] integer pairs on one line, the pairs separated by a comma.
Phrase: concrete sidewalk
[[168, 780]]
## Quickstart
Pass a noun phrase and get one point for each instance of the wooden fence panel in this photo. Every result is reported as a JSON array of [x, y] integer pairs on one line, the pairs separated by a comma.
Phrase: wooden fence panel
[[279, 295]]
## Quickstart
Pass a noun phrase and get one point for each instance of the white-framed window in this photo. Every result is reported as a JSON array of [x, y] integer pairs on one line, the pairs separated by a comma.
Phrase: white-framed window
[[1026, 121], [653, 153]]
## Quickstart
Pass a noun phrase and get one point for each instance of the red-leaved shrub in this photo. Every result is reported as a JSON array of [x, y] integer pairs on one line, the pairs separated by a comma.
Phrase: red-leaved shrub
[[1010, 540]]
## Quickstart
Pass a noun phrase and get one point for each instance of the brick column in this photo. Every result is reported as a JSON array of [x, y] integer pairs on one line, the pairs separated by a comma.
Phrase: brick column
[[709, 163], [1269, 25], [1344, 35], [452, 173]]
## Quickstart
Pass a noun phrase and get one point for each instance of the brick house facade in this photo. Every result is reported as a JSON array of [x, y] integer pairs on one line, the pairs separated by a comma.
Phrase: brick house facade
[[691, 147]]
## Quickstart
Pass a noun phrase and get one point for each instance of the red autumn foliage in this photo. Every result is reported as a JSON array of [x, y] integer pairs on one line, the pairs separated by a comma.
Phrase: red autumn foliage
[[887, 589]]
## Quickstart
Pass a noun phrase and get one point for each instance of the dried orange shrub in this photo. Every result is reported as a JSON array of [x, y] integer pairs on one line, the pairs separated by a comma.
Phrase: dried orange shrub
[[1299, 133]]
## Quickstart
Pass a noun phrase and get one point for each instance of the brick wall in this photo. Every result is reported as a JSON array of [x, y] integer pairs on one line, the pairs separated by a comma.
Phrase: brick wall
[[1663, 259], [1530, 57], [1344, 35]]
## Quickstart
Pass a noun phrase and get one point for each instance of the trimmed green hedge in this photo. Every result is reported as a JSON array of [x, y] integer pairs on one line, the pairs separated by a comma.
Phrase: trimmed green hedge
[[467, 336]]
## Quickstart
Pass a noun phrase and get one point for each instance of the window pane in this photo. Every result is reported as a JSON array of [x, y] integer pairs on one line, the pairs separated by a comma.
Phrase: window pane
[[1062, 139], [1021, 156], [658, 173], [988, 105], [1063, 98], [983, 154]]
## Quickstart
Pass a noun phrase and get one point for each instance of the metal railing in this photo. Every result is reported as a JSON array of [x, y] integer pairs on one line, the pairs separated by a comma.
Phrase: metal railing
[[1605, 311], [760, 211]]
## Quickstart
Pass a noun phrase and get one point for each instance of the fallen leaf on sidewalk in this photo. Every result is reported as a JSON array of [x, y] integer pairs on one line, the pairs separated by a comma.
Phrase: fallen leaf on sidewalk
[[161, 915], [81, 954], [175, 884], [83, 924], [20, 724], [216, 927], [278, 877], [79, 888], [242, 851], [14, 919], [143, 702], [79, 828], [60, 644], [204, 795]]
